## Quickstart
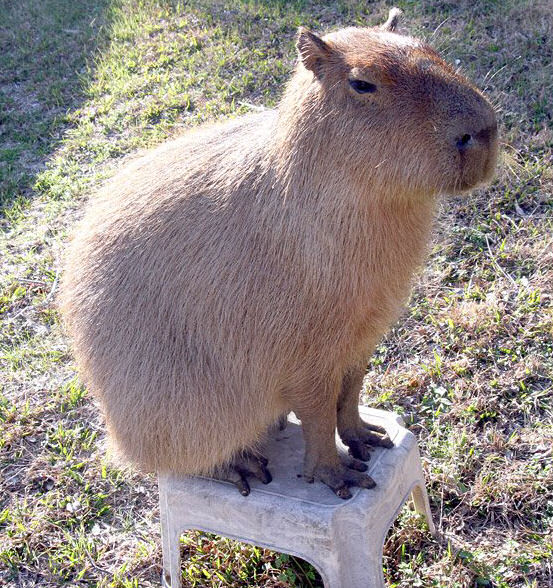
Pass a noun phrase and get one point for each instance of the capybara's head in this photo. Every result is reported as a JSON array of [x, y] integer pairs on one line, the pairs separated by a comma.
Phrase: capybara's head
[[398, 107]]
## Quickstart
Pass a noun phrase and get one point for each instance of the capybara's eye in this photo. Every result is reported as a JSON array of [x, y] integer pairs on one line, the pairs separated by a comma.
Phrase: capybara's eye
[[362, 87]]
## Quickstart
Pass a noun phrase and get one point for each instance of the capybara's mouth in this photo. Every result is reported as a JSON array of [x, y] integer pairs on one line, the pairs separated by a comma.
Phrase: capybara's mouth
[[464, 185]]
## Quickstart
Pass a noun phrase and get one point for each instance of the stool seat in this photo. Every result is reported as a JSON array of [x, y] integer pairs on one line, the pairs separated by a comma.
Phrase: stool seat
[[343, 539]]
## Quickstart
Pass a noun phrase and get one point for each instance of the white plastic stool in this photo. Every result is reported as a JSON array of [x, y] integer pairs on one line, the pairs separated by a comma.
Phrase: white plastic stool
[[343, 539]]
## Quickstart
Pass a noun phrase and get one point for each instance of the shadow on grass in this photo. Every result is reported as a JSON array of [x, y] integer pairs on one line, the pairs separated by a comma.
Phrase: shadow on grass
[[45, 49]]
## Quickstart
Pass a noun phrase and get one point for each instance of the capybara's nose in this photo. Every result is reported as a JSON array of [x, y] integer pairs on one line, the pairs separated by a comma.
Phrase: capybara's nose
[[464, 142], [484, 136]]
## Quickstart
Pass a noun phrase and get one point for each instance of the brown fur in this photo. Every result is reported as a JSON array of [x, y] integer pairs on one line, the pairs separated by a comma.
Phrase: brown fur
[[248, 268]]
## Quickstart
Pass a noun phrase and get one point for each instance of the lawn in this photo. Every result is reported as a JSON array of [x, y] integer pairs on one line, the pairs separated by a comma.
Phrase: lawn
[[83, 85]]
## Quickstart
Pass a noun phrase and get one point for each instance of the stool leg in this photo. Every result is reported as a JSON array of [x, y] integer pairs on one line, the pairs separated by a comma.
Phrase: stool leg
[[419, 495], [355, 563], [422, 505], [171, 558], [170, 543]]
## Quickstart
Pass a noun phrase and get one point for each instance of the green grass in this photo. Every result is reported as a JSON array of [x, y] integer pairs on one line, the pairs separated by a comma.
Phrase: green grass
[[469, 365]]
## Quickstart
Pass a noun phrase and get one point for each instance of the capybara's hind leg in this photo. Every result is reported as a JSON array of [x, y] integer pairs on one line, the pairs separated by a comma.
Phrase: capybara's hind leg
[[247, 463], [359, 436], [282, 422], [279, 425]]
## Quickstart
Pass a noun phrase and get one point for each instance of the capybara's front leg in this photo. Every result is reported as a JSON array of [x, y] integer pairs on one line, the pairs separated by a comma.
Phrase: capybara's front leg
[[322, 461], [359, 436]]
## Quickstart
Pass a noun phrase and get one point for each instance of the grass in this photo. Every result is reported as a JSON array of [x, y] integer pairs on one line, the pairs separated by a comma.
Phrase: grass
[[469, 365]]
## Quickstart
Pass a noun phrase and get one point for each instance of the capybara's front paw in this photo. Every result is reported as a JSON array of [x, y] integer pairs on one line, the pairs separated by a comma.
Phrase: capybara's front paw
[[340, 478], [362, 439]]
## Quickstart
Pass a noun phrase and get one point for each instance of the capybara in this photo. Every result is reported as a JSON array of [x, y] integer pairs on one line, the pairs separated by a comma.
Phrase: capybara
[[247, 269]]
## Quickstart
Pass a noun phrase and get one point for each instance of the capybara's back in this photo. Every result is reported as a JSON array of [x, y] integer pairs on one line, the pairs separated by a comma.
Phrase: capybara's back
[[247, 269], [151, 294]]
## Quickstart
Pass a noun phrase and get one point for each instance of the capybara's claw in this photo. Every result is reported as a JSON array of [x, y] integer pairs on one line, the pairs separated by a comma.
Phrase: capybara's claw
[[339, 478], [353, 463], [246, 464], [381, 440], [343, 492], [243, 486], [363, 440], [386, 442], [359, 450]]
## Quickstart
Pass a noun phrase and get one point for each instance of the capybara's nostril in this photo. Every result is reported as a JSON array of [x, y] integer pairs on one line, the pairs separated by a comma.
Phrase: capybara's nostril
[[464, 141], [484, 136]]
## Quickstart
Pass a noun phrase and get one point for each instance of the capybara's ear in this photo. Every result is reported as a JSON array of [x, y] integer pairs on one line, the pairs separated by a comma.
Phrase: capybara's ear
[[394, 17], [313, 51]]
